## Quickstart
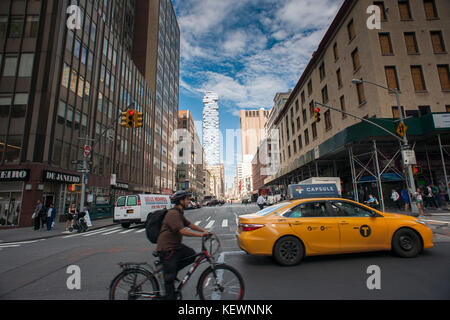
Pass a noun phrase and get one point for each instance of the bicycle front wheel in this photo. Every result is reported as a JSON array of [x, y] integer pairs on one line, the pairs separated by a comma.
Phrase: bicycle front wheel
[[221, 282], [134, 284]]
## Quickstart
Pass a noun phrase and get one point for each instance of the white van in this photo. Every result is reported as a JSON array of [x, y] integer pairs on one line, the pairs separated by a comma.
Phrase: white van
[[135, 208]]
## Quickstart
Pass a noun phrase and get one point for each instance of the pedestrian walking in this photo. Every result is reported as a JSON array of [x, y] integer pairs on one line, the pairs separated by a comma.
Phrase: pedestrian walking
[[69, 217], [429, 201], [51, 212], [37, 215], [418, 198], [436, 196], [261, 202], [43, 216], [405, 198], [396, 198]]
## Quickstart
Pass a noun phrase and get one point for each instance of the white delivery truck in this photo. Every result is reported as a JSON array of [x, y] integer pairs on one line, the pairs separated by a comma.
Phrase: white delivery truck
[[135, 208], [324, 180]]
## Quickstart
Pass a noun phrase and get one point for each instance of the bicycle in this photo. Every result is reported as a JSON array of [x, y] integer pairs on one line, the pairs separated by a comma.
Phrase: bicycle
[[217, 282]]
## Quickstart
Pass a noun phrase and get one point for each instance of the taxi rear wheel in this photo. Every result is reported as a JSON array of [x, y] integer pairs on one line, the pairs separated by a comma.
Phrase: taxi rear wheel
[[406, 243], [288, 251]]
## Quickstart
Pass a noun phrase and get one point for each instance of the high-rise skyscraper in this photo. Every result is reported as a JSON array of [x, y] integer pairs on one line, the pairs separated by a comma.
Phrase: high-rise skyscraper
[[211, 130]]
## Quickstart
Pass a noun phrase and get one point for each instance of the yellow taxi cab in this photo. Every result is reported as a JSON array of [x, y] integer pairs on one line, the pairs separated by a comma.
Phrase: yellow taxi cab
[[291, 230]]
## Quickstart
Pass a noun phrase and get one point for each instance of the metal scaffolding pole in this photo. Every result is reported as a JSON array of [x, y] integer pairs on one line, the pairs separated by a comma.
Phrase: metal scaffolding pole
[[377, 167], [443, 166], [428, 162], [352, 168], [317, 169]]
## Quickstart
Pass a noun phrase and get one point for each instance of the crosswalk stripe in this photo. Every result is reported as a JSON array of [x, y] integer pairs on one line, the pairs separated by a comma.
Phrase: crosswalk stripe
[[99, 231], [224, 223], [126, 231], [197, 223], [210, 224], [114, 231]]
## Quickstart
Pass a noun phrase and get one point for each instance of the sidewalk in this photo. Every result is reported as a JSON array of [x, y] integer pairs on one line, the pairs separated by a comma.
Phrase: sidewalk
[[26, 234]]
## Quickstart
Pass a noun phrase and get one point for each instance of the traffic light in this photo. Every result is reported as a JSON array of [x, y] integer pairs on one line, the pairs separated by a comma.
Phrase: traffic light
[[131, 118], [139, 120], [417, 170], [317, 115], [124, 123]]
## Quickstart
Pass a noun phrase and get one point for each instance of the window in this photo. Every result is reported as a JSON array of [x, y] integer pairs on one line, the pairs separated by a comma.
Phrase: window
[[437, 41], [342, 100], [351, 30], [430, 9], [300, 142], [296, 106], [447, 108], [391, 77], [310, 88], [322, 71], [16, 27], [335, 52], [298, 123], [20, 105], [361, 94], [131, 201], [289, 151], [346, 209], [77, 48], [84, 54], [314, 130], [380, 4], [306, 137], [66, 75], [328, 125], [411, 43], [417, 77], [325, 95], [303, 97], [69, 119], [32, 27], [339, 78], [3, 28], [405, 10], [355, 59], [444, 76], [73, 81], [90, 60], [395, 113], [308, 210], [311, 108], [423, 110], [305, 117], [121, 202], [10, 67], [295, 146], [26, 65], [61, 112], [5, 103], [385, 43]]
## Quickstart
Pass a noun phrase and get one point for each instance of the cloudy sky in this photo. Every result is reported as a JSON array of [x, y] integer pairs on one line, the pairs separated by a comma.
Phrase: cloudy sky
[[246, 51]]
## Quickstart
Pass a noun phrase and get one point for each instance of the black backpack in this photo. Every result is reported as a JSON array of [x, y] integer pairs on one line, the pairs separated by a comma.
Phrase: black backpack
[[154, 223]]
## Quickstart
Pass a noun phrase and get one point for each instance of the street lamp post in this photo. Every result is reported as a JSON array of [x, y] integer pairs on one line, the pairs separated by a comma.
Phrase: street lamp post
[[404, 142]]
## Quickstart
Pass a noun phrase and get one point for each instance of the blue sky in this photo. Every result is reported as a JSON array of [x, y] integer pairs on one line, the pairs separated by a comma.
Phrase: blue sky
[[246, 51]]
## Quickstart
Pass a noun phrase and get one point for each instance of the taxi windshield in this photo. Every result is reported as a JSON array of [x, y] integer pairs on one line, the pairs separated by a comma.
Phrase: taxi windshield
[[271, 209]]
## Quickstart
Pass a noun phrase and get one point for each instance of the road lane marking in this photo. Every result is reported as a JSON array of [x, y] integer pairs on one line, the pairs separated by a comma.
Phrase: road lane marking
[[224, 223], [208, 219], [142, 230], [11, 246], [114, 231], [126, 231], [210, 224], [101, 231], [21, 242], [85, 234]]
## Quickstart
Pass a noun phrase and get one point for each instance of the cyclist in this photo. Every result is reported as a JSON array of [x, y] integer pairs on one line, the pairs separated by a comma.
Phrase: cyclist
[[174, 255]]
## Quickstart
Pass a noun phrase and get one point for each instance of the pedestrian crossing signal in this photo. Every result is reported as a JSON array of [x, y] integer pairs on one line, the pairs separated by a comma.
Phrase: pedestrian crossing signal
[[417, 170]]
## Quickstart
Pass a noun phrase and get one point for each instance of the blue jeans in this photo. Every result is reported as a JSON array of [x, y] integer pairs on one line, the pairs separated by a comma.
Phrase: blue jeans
[[49, 223]]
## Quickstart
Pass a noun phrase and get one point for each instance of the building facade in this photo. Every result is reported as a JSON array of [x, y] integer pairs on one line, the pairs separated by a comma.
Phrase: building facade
[[409, 53], [211, 129], [157, 56], [59, 85], [190, 164]]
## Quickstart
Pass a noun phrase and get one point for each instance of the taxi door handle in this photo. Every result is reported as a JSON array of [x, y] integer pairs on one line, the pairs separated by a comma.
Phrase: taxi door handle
[[297, 223], [343, 222]]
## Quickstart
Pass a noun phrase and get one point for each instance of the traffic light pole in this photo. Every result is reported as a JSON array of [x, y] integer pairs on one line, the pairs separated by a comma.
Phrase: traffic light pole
[[86, 168], [403, 143]]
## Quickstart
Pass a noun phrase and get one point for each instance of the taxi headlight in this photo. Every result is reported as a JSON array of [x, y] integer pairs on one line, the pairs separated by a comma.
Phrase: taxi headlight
[[421, 222]]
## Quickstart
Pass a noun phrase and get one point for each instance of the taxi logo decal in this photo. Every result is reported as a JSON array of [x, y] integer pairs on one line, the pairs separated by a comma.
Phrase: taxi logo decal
[[299, 190], [365, 231]]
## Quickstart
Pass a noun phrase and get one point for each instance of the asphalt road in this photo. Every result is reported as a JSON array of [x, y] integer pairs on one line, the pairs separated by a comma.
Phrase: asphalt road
[[38, 270]]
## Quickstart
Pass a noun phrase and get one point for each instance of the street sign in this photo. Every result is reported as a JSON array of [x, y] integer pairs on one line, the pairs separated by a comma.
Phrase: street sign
[[401, 130], [409, 157], [87, 151]]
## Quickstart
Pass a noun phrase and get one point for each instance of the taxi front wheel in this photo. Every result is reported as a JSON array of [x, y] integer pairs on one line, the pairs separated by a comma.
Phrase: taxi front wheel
[[288, 251], [406, 243]]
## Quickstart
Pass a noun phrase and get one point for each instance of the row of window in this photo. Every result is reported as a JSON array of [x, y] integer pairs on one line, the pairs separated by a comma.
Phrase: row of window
[[11, 61], [437, 42], [405, 12], [19, 26]]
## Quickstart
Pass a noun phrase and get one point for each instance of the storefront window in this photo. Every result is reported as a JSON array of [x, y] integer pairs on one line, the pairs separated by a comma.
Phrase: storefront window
[[13, 149], [10, 206]]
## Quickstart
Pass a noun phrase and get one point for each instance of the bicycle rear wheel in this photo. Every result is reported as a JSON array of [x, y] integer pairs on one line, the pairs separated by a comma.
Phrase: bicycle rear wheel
[[220, 282], [134, 284]]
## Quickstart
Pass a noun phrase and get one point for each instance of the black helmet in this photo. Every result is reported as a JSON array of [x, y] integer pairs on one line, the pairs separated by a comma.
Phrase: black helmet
[[180, 195]]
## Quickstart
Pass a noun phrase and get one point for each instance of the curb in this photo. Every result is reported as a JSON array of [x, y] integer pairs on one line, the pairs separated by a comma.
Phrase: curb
[[56, 235]]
